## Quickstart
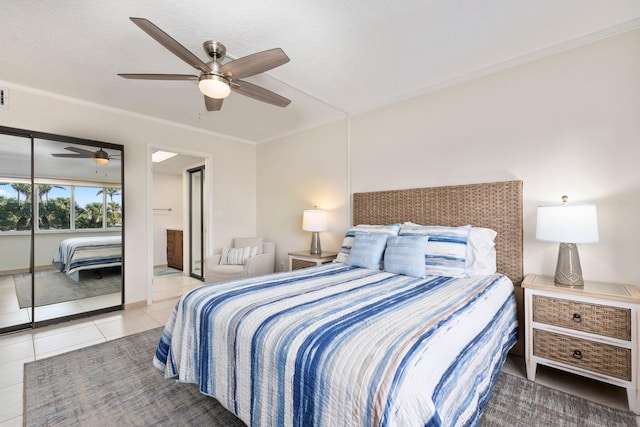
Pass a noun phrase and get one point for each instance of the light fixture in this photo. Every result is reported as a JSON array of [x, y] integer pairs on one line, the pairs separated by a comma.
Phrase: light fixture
[[314, 220], [568, 224], [101, 157], [161, 156], [214, 86]]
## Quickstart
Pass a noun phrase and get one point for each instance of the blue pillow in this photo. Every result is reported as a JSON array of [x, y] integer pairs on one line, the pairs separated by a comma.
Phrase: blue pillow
[[367, 250], [405, 255]]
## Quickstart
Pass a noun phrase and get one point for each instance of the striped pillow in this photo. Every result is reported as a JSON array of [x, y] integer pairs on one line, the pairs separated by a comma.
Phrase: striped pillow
[[345, 249], [237, 256], [446, 250], [405, 255]]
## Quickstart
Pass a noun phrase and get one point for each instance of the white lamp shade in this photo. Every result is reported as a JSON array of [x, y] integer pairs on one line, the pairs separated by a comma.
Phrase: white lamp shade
[[214, 86], [567, 223], [314, 220]]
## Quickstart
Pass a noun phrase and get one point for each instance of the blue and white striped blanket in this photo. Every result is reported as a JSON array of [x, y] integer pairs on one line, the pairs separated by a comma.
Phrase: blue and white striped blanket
[[82, 253], [344, 346]]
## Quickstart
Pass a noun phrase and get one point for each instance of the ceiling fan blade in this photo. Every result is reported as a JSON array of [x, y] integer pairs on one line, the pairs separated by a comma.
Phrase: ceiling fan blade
[[213, 104], [261, 94], [254, 64], [159, 76], [168, 42], [73, 156], [79, 150]]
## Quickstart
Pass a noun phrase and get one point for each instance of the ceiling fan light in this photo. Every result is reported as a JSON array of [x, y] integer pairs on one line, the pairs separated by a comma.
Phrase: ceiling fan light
[[101, 157], [214, 86]]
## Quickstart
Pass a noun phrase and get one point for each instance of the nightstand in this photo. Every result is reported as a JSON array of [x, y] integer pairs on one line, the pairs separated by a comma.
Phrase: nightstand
[[590, 331], [304, 259]]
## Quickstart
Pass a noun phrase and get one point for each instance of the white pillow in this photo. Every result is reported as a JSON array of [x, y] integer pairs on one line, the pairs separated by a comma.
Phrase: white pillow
[[345, 249], [481, 252], [237, 256]]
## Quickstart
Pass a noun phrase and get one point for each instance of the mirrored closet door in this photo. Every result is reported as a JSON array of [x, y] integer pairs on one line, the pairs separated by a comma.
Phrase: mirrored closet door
[[74, 196]]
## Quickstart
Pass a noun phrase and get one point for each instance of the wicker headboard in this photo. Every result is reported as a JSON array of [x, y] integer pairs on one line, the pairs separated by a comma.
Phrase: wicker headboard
[[496, 205]]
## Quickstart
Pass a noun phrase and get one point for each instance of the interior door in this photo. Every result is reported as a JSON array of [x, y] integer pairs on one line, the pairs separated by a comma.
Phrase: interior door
[[196, 222]]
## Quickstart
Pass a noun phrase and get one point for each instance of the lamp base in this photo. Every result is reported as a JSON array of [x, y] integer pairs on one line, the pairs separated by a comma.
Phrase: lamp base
[[315, 244], [568, 270]]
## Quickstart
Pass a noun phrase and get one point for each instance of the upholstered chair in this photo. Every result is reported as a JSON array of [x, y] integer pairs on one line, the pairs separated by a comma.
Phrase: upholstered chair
[[234, 267]]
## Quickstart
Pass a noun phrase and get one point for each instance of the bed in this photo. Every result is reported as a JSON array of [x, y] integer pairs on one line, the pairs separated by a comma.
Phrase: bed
[[88, 253], [341, 344]]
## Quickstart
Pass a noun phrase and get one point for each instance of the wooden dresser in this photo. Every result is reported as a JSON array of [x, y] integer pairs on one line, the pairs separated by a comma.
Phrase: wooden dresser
[[174, 249]]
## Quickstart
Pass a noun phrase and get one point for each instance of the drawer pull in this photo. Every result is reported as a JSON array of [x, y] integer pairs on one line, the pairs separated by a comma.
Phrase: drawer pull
[[577, 318], [577, 354]]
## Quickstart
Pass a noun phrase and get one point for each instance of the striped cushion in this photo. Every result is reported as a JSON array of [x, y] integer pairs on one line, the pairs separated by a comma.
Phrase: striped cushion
[[237, 256], [367, 250], [405, 255], [345, 249], [446, 249]]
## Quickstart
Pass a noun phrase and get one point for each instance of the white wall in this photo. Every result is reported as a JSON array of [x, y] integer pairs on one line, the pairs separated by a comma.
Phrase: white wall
[[167, 194], [295, 173], [565, 124], [234, 198]]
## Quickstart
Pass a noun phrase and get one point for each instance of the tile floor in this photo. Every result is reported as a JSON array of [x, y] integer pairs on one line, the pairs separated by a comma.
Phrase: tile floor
[[26, 346]]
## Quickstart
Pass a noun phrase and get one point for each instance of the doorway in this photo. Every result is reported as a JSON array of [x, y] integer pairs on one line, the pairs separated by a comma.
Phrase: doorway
[[178, 226]]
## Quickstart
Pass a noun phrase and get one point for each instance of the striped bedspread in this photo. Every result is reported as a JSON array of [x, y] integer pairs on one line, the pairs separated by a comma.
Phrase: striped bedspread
[[82, 253], [343, 346]]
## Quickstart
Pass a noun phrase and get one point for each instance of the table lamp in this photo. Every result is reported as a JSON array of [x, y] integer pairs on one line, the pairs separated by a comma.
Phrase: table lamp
[[314, 220], [568, 224]]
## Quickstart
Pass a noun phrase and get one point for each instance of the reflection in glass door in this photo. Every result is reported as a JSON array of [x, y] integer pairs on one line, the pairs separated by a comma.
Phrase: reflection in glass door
[[78, 232], [16, 246], [196, 220]]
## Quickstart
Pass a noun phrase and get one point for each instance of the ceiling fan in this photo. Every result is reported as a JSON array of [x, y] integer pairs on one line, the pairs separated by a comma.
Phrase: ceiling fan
[[217, 80], [99, 157]]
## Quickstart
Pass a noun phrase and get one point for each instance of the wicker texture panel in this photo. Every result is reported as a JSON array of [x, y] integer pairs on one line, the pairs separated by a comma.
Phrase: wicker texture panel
[[297, 264], [495, 205], [594, 356], [595, 318]]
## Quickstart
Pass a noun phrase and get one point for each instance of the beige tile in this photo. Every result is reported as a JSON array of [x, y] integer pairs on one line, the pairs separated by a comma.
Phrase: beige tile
[[12, 373], [14, 318], [67, 340], [130, 323], [20, 350], [54, 311], [11, 398], [102, 301], [58, 328], [13, 422]]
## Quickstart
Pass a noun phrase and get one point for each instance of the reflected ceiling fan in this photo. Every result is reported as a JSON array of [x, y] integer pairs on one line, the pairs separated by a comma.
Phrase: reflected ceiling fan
[[99, 157], [217, 80]]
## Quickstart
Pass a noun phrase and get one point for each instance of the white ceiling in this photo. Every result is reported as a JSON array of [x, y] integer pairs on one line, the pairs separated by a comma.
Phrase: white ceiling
[[346, 56]]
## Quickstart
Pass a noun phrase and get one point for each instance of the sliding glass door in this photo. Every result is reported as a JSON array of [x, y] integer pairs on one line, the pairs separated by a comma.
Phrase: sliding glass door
[[16, 243], [62, 243]]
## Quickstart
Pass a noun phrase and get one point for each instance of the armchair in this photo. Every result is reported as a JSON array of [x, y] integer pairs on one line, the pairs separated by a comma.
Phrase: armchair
[[262, 263]]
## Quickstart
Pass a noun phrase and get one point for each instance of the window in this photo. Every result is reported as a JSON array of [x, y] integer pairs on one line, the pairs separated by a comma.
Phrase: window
[[93, 207]]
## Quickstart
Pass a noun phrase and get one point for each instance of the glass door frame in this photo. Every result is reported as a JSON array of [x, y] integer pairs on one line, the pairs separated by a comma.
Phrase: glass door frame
[[33, 136], [200, 222]]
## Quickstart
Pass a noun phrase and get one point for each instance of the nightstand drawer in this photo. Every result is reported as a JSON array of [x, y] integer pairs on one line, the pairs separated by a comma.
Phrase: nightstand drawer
[[297, 264], [598, 319], [594, 356]]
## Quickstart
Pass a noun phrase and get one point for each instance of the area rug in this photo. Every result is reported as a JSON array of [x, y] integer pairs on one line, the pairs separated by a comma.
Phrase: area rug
[[53, 286], [113, 384], [163, 271]]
